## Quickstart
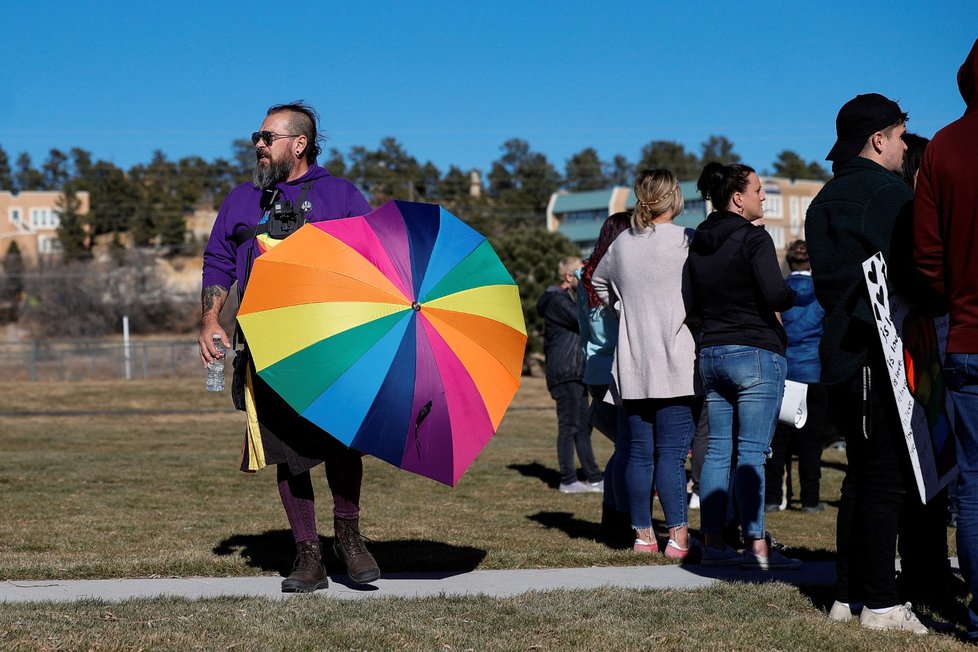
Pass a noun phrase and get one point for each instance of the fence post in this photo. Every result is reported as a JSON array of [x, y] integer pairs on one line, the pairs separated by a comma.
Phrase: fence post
[[33, 364], [125, 346]]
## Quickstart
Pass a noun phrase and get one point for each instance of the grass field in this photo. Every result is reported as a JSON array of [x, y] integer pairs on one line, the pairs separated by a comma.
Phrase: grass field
[[139, 479]]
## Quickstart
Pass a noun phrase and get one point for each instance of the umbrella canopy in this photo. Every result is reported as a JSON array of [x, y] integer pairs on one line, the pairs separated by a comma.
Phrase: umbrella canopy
[[399, 332]]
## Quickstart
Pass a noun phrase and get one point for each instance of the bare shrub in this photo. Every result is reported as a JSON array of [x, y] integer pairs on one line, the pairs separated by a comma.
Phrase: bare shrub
[[87, 299]]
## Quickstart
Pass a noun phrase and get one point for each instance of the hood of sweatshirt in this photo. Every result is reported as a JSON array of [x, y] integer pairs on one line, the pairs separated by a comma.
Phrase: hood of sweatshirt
[[548, 295], [968, 79], [715, 230], [801, 283], [314, 172]]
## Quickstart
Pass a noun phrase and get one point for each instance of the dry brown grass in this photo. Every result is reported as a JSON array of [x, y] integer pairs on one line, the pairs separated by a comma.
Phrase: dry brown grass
[[145, 484], [148, 491]]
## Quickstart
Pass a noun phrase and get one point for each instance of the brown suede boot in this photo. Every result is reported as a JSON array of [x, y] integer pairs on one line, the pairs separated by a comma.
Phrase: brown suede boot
[[348, 546], [308, 574]]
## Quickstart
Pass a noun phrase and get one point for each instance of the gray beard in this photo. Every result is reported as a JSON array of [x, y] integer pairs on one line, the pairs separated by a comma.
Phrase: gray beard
[[276, 172]]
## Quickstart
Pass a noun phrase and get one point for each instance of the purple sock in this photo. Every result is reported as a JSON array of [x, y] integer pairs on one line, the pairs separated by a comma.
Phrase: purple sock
[[299, 502]]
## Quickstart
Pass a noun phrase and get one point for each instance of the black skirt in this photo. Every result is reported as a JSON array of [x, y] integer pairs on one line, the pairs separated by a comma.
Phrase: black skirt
[[287, 437]]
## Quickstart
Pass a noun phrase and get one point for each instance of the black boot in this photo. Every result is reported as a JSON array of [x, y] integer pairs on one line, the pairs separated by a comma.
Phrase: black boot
[[308, 573], [348, 546]]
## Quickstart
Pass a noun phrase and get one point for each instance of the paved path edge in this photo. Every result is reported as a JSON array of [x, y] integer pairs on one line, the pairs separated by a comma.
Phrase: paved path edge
[[496, 583]]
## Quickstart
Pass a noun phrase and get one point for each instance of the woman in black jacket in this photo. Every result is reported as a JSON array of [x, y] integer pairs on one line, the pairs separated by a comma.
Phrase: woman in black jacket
[[738, 291]]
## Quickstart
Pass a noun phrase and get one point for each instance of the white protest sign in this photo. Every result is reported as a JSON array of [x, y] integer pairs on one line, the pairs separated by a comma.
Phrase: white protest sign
[[925, 413], [794, 405]]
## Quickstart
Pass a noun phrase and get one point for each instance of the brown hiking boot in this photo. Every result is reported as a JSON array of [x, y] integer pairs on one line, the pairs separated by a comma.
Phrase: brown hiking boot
[[348, 546], [308, 573]]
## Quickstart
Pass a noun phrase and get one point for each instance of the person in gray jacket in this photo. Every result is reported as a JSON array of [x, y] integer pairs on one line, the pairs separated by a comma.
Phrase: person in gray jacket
[[643, 277]]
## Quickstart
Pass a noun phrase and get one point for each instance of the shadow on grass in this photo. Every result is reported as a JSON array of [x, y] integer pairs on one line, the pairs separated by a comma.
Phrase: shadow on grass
[[567, 523], [550, 477], [815, 578], [274, 550], [822, 597]]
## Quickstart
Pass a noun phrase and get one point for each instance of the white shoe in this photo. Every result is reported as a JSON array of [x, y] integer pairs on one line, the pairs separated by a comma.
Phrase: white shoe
[[694, 501], [900, 617], [842, 612], [576, 487], [595, 487]]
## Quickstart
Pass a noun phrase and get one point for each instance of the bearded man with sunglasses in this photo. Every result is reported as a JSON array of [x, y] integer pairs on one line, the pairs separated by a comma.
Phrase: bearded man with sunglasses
[[286, 148]]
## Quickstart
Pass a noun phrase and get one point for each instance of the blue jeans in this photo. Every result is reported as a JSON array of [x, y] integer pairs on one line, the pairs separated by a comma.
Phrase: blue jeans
[[659, 432], [961, 376], [744, 386]]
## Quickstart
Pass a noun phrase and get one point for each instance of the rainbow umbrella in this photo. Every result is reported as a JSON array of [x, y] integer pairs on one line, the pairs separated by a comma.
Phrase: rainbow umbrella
[[399, 332]]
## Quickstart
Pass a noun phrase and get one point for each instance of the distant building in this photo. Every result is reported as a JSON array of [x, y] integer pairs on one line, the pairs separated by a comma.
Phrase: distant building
[[579, 215], [785, 206], [31, 219]]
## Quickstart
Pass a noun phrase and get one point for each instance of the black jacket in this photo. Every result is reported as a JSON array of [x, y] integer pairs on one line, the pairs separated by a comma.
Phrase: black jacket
[[561, 337], [863, 210], [737, 284]]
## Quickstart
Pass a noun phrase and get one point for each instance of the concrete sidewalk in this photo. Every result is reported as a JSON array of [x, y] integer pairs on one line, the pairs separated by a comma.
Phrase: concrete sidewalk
[[496, 583]]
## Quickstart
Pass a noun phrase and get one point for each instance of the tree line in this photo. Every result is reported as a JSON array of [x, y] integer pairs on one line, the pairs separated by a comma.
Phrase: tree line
[[150, 202]]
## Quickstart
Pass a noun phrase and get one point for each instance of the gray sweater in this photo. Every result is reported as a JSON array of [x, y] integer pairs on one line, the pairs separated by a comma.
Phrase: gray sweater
[[644, 278]]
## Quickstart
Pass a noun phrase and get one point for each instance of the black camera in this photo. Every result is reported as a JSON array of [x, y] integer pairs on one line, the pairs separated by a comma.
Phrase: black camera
[[284, 219]]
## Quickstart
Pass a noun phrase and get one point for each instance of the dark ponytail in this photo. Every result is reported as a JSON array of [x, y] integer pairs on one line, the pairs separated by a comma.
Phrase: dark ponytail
[[718, 182]]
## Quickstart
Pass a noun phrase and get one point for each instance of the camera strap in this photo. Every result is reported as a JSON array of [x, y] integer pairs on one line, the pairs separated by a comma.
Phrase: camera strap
[[244, 235], [267, 200]]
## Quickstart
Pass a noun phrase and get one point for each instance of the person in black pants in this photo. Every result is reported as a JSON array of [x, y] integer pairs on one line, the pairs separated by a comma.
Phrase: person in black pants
[[803, 324], [858, 214], [565, 380]]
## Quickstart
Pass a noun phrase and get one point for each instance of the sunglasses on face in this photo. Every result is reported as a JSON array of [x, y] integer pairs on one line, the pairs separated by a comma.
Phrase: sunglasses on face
[[269, 137]]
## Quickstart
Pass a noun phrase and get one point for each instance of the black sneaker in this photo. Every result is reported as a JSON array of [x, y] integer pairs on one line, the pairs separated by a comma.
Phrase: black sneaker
[[814, 509]]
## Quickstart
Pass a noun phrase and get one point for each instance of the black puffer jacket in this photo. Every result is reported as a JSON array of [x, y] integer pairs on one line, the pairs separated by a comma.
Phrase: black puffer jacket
[[737, 284], [561, 337]]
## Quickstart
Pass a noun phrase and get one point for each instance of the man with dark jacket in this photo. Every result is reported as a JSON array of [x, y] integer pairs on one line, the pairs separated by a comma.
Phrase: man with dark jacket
[[857, 214], [945, 252], [565, 380]]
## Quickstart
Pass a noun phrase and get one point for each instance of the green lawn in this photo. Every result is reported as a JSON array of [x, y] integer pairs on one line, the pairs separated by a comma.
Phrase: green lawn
[[153, 490]]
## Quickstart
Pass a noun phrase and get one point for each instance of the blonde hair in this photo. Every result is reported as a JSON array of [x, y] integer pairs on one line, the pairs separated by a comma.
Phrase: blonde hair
[[658, 192]]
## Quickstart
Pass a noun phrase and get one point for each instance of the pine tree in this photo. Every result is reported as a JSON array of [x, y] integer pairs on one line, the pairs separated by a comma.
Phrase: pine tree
[[72, 229], [12, 283]]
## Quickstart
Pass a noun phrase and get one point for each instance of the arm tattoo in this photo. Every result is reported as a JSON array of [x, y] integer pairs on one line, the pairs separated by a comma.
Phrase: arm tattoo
[[212, 299]]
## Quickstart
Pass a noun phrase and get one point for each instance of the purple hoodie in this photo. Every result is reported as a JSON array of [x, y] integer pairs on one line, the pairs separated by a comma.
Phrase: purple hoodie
[[225, 262]]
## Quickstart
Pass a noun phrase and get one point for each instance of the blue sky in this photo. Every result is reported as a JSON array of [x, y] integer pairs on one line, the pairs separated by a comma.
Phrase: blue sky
[[452, 81]]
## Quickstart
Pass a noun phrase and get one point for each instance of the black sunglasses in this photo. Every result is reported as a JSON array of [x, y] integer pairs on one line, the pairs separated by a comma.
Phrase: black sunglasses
[[269, 137]]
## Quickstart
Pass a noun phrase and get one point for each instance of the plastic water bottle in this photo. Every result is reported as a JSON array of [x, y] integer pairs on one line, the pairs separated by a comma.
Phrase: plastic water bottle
[[215, 369]]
